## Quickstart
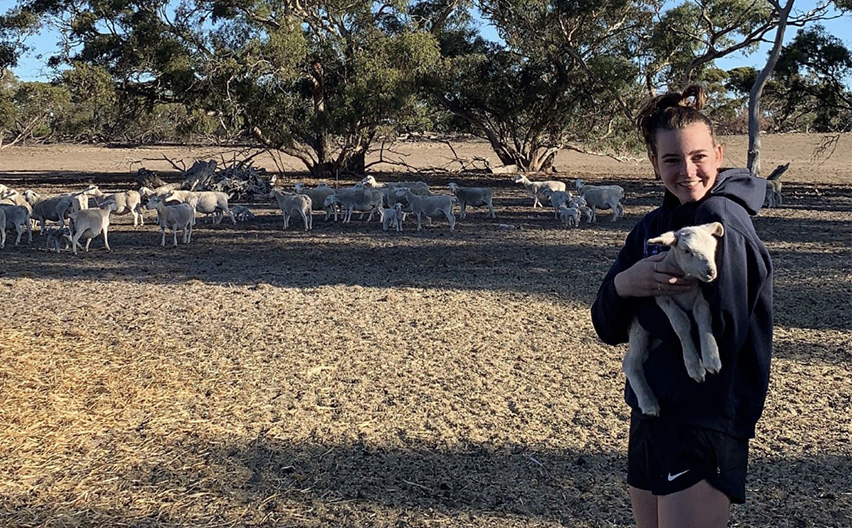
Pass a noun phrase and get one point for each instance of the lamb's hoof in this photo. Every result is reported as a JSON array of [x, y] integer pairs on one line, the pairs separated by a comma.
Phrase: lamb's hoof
[[712, 365], [697, 373], [650, 409]]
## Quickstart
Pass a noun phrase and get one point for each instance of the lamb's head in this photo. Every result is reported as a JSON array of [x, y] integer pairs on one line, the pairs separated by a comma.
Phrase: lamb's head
[[369, 181], [453, 187], [578, 183], [153, 201], [693, 249], [519, 178], [400, 192], [398, 207], [299, 187], [330, 200]]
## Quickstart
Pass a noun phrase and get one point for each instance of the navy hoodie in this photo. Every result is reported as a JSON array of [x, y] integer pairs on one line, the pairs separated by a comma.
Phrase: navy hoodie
[[740, 301]]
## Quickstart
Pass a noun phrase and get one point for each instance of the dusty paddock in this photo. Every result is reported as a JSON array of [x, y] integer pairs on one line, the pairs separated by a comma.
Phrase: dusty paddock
[[350, 377]]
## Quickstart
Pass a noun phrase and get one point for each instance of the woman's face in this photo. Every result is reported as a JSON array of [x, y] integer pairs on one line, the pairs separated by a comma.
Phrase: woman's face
[[687, 161]]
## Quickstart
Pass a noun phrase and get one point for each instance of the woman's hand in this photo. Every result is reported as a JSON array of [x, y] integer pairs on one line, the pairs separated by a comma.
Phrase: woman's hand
[[650, 277]]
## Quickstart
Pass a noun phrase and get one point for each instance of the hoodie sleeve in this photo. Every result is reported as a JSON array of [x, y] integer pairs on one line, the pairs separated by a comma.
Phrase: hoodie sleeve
[[611, 313]]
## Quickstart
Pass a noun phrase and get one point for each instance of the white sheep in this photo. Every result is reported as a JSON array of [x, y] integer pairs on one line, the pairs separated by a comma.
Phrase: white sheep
[[80, 199], [125, 202], [693, 251], [579, 203], [474, 197], [773, 193], [55, 237], [536, 189], [557, 199], [602, 197], [570, 216], [53, 208], [242, 213], [207, 202], [393, 217], [89, 223], [417, 187], [318, 195], [367, 200], [293, 205], [428, 206], [3, 231], [17, 217], [175, 217]]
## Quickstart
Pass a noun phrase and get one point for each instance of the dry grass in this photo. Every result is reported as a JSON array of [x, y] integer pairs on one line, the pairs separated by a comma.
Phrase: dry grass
[[350, 377]]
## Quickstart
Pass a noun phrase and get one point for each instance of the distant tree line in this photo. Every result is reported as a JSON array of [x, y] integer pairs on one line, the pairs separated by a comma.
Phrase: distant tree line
[[325, 80]]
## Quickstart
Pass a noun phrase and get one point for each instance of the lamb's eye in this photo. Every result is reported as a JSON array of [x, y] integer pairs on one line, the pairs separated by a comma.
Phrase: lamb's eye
[[688, 252]]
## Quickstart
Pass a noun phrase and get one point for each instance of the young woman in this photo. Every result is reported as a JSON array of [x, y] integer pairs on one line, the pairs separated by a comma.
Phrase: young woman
[[688, 465]]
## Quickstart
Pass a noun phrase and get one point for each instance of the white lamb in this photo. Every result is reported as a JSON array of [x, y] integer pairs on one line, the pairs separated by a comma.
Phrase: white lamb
[[242, 213], [207, 202], [474, 197], [579, 203], [175, 217], [17, 218], [56, 236], [393, 217], [557, 199], [536, 189], [602, 197], [367, 200], [428, 206], [693, 251], [89, 223], [570, 216], [294, 205], [318, 195]]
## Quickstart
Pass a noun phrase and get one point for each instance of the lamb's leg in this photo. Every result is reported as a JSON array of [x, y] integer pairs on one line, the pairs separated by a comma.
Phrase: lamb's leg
[[106, 240], [305, 220], [163, 242], [88, 241], [451, 219], [418, 221], [682, 326], [633, 367], [709, 349]]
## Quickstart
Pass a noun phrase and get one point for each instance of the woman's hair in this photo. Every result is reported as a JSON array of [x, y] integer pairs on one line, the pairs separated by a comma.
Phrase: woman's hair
[[672, 111]]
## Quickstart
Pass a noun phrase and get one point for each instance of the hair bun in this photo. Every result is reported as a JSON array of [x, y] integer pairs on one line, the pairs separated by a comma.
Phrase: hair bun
[[693, 97]]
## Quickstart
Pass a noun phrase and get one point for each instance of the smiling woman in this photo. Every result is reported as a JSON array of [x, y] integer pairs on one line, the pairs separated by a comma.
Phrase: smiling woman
[[688, 465]]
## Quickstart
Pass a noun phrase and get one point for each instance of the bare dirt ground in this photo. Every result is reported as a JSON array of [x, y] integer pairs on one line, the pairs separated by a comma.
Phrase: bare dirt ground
[[355, 378]]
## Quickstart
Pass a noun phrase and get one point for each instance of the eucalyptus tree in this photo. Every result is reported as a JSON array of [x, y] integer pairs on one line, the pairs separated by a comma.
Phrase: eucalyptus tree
[[314, 79], [564, 72]]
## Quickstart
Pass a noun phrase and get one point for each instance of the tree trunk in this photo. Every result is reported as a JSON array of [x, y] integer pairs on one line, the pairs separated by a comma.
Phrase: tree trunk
[[760, 83]]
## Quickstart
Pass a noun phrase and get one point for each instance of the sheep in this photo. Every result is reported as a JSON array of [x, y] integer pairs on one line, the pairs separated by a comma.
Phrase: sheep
[[473, 196], [393, 217], [356, 200], [80, 199], [536, 189], [3, 231], [692, 250], [125, 202], [557, 199], [428, 206], [175, 217], [579, 203], [55, 237], [602, 197], [318, 195], [18, 217], [292, 205], [417, 187], [242, 213], [773, 193], [570, 216], [89, 223], [162, 190], [53, 208], [206, 202]]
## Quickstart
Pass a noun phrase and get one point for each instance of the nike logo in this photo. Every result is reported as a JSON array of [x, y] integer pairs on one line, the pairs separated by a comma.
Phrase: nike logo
[[676, 475]]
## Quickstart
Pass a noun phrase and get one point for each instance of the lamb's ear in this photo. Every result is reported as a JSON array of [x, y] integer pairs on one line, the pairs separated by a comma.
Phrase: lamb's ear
[[714, 228], [666, 239]]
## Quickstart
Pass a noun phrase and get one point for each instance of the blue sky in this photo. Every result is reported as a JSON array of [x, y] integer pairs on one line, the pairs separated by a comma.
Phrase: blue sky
[[32, 66]]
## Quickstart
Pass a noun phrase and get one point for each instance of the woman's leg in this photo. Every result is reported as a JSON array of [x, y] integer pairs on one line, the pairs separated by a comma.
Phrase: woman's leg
[[644, 507], [700, 506]]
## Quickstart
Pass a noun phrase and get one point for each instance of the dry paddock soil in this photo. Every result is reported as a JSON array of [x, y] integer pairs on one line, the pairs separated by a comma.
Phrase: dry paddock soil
[[356, 378]]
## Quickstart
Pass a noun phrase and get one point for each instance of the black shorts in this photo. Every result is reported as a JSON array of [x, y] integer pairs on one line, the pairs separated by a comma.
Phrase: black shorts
[[665, 458]]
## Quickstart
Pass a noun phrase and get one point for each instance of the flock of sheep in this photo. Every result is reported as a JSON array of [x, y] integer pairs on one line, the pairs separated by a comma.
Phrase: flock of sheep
[[88, 210]]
